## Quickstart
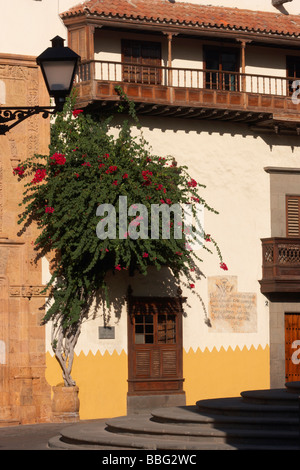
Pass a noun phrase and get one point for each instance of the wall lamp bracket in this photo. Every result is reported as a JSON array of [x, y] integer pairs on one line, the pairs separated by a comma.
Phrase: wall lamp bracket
[[58, 65], [18, 114]]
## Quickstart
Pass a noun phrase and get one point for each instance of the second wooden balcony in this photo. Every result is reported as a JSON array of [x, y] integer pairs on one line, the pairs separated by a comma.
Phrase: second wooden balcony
[[281, 268]]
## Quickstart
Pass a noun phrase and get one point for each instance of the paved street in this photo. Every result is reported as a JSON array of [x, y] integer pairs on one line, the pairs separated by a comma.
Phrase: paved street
[[29, 437]]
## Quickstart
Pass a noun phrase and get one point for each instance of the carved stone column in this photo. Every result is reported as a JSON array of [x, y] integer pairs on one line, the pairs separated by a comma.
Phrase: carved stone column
[[25, 396]]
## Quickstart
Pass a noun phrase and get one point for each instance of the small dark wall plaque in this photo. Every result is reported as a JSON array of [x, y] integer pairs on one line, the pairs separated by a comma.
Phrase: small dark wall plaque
[[106, 332]]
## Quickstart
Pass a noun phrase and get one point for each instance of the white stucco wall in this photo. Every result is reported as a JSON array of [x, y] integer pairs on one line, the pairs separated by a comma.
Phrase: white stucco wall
[[27, 26]]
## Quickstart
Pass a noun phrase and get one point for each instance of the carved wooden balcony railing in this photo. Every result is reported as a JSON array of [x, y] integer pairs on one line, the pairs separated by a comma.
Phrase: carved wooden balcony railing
[[280, 266], [190, 92]]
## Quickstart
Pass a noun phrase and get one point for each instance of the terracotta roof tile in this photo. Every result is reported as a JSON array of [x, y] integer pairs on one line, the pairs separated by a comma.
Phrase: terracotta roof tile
[[191, 14]]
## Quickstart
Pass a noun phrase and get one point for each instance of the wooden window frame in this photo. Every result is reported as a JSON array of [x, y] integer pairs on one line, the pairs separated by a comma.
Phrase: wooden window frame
[[145, 70], [154, 368], [220, 81]]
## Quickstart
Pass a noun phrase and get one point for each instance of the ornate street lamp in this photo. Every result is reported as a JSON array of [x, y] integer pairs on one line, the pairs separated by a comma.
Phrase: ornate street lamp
[[58, 64]]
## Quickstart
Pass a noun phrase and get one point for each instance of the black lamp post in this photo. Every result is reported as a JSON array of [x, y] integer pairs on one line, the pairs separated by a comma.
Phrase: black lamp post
[[58, 64]]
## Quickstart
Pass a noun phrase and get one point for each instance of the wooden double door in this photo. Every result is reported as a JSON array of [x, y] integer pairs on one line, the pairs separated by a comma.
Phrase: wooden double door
[[154, 346]]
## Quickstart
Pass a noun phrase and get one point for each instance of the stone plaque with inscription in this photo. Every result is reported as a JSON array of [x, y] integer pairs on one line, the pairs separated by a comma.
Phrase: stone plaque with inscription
[[230, 310]]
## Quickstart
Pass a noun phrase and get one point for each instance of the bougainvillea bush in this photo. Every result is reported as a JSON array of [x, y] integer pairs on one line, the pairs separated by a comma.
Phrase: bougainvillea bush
[[89, 166]]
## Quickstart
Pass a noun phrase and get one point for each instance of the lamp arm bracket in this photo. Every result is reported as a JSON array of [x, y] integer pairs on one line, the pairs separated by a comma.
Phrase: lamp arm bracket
[[20, 113]]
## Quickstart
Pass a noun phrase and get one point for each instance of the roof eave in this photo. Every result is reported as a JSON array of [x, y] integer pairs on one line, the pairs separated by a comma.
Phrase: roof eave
[[180, 27]]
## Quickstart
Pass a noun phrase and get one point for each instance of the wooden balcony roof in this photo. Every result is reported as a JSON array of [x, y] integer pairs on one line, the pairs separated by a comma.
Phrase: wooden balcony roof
[[188, 17]]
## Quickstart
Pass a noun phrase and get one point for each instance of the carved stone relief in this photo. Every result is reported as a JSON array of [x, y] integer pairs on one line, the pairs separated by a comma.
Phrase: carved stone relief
[[230, 310]]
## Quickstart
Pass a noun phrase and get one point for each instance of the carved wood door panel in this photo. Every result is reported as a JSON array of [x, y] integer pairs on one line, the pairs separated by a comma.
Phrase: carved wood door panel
[[154, 346]]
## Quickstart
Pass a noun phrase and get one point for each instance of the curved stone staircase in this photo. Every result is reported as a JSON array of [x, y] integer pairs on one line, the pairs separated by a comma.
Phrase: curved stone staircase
[[259, 419]]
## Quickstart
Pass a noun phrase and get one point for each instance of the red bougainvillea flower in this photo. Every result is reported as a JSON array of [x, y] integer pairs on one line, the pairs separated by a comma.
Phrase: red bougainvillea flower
[[125, 176], [223, 266], [207, 238], [168, 201], [77, 175], [101, 165], [145, 255], [196, 199], [39, 176], [76, 112], [115, 183], [145, 175], [58, 159], [192, 183], [111, 169], [192, 286], [19, 171], [86, 164], [118, 267], [49, 209]]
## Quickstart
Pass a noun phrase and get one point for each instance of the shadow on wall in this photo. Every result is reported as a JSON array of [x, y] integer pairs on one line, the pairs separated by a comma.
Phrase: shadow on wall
[[157, 283], [211, 127]]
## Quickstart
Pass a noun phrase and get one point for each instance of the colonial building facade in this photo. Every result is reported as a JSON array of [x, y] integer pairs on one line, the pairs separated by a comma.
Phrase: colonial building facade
[[216, 87]]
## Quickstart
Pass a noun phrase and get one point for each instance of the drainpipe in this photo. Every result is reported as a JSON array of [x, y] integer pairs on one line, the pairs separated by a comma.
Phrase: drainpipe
[[280, 2]]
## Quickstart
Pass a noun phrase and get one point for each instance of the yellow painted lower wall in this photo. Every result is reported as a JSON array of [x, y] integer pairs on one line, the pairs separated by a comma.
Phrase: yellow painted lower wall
[[102, 382], [102, 379], [224, 373]]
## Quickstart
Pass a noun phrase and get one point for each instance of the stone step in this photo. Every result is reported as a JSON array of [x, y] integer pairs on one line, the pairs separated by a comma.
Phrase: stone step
[[273, 397], [256, 420], [239, 406], [95, 436], [225, 432], [193, 416]]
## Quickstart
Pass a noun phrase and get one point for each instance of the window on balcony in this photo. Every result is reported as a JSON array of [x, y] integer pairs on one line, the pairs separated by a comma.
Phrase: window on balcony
[[141, 62], [221, 67], [293, 216], [293, 70]]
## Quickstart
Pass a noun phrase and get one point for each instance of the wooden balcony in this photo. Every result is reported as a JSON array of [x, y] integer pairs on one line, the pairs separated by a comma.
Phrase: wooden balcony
[[264, 101], [281, 268]]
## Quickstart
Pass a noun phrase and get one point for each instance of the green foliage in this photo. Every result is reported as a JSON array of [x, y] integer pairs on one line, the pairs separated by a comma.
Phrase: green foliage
[[86, 167]]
